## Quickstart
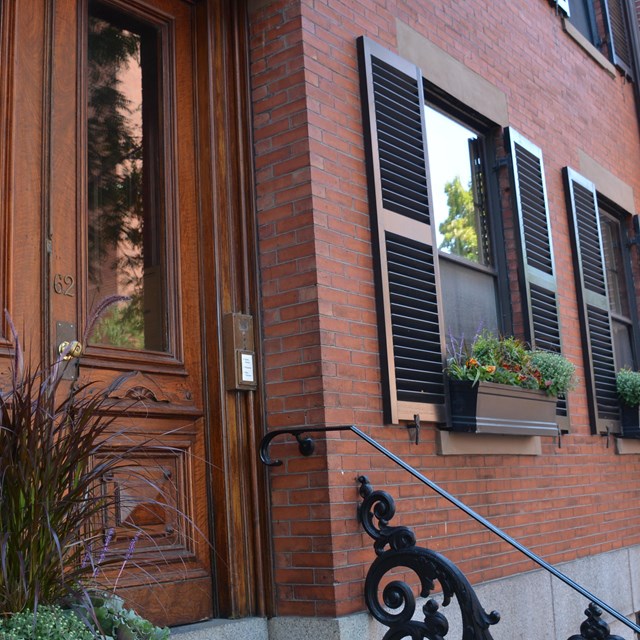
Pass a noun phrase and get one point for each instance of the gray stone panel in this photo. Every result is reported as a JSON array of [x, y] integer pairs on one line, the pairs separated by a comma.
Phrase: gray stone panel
[[606, 576], [634, 570], [531, 605], [247, 629]]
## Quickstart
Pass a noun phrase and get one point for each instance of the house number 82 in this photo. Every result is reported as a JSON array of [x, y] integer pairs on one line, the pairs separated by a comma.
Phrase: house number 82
[[64, 284]]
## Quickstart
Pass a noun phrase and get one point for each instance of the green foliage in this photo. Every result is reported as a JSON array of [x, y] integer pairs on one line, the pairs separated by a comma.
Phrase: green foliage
[[460, 234], [121, 326], [494, 359], [557, 372], [507, 360], [50, 623], [123, 624], [628, 386]]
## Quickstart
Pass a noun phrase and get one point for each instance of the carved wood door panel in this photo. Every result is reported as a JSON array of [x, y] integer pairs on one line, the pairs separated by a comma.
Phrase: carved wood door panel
[[123, 228]]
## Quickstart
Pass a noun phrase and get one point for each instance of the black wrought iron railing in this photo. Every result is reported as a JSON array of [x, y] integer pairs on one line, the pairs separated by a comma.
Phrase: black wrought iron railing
[[395, 547]]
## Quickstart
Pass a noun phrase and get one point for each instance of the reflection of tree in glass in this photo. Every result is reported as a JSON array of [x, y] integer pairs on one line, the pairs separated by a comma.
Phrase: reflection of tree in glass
[[115, 183], [459, 230]]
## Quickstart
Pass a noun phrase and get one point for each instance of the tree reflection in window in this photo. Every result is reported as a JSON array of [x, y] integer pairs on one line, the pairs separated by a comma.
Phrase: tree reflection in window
[[458, 188], [125, 218]]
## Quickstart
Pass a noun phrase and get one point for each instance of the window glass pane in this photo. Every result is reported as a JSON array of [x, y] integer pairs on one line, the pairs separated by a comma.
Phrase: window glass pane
[[125, 212], [616, 283], [622, 344], [582, 17], [469, 300], [457, 197]]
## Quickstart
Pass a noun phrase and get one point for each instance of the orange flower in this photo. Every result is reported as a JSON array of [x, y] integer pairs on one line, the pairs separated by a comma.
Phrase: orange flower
[[472, 362], [490, 368]]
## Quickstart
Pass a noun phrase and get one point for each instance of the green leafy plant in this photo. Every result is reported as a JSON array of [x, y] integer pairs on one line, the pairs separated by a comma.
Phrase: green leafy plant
[[121, 326], [558, 373], [628, 387], [507, 360], [118, 623], [49, 623]]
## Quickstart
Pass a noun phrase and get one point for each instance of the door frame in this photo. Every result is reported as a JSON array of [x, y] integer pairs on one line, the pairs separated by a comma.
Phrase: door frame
[[230, 252]]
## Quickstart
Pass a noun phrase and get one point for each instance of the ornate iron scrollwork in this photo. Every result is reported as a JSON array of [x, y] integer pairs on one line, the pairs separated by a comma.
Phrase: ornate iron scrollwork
[[593, 628], [396, 548]]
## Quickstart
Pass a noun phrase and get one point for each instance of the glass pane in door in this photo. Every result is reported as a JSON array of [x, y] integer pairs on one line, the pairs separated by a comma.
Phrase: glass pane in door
[[126, 245]]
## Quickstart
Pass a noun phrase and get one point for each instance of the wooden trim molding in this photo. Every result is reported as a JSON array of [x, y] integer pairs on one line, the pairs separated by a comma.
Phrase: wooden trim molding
[[229, 284], [7, 40]]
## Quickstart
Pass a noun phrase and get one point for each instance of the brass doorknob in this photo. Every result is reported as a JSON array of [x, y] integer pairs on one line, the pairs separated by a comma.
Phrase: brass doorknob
[[71, 349]]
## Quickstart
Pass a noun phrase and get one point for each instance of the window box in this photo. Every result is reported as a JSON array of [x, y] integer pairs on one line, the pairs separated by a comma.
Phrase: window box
[[488, 407], [630, 420]]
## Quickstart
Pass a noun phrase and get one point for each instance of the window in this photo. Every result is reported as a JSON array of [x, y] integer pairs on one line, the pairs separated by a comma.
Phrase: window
[[621, 306], [468, 279], [608, 25], [561, 4], [438, 242], [583, 17], [126, 234], [607, 310]]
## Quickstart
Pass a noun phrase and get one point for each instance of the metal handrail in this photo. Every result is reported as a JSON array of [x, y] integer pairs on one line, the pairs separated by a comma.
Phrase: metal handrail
[[306, 446]]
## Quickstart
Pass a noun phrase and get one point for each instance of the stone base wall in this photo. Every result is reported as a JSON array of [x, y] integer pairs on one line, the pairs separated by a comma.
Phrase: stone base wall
[[533, 604]]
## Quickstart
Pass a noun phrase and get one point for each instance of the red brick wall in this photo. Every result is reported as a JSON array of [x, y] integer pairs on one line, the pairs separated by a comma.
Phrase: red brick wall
[[319, 314]]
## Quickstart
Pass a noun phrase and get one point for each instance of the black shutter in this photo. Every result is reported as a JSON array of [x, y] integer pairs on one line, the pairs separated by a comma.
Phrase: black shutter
[[537, 269], [617, 23], [591, 284], [541, 311], [406, 260]]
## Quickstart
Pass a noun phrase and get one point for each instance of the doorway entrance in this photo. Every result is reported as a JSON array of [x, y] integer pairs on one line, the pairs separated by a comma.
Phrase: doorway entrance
[[108, 229]]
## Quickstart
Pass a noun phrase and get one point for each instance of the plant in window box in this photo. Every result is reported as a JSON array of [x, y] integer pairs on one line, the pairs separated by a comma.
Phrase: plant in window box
[[628, 387], [498, 386]]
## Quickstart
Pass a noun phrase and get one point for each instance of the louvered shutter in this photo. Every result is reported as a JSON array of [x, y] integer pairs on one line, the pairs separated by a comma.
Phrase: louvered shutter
[[406, 258], [591, 284], [617, 21], [537, 269]]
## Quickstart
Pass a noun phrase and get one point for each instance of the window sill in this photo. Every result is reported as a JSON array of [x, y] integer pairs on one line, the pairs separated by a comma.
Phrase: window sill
[[465, 444], [625, 446], [571, 31]]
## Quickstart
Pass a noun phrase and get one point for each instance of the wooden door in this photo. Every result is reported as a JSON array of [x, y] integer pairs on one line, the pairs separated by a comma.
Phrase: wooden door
[[120, 222]]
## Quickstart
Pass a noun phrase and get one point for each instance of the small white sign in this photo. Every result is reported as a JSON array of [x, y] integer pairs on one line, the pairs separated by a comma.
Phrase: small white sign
[[246, 361]]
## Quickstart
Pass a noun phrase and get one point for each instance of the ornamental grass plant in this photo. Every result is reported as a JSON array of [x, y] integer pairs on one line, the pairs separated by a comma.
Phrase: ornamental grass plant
[[56, 445], [48, 485]]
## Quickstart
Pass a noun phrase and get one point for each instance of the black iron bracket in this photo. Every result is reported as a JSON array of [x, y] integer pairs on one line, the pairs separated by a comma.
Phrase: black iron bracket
[[306, 446]]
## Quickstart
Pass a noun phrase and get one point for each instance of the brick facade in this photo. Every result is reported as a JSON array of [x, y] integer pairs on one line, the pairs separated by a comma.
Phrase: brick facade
[[321, 348]]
